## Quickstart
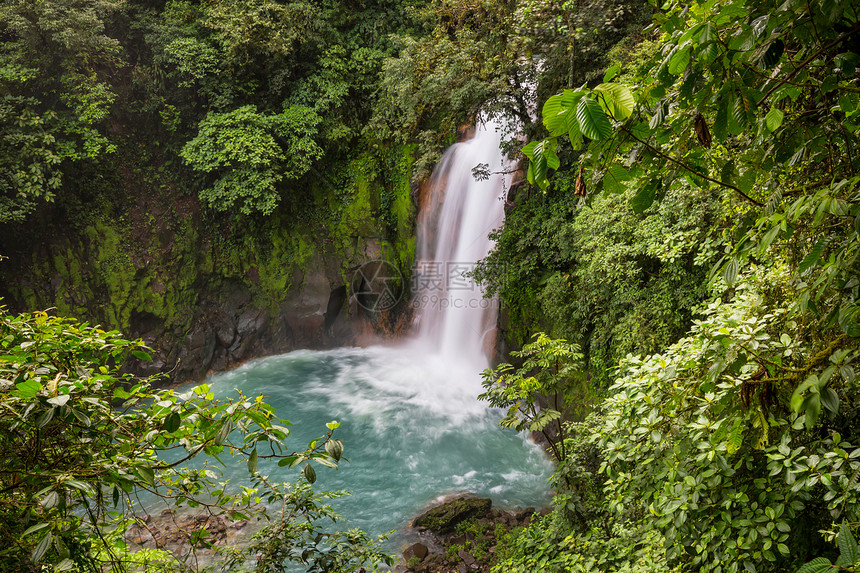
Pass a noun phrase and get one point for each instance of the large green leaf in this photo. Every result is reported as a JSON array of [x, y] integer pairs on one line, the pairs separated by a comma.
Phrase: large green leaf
[[817, 565], [848, 545], [592, 120], [616, 99], [560, 110], [730, 273], [554, 115], [529, 149], [679, 60], [774, 118], [614, 178], [42, 548], [644, 196], [812, 258]]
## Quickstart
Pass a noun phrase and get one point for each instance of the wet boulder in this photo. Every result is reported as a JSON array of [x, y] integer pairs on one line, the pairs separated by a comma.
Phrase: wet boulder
[[444, 518]]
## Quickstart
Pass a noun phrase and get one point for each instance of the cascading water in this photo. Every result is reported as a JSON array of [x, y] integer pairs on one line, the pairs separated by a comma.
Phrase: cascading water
[[411, 423], [458, 214]]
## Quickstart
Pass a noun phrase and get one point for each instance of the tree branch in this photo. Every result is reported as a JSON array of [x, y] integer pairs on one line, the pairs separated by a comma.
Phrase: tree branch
[[690, 169]]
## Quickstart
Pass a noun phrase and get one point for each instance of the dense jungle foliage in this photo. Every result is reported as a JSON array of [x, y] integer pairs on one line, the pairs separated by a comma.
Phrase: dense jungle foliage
[[686, 237], [82, 444], [696, 230]]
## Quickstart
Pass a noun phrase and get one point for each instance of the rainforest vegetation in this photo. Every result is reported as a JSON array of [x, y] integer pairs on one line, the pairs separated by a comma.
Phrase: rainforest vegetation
[[679, 268]]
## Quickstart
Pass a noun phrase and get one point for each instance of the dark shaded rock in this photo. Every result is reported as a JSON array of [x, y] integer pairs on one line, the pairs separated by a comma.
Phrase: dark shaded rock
[[525, 514], [445, 517], [466, 557], [418, 550], [251, 321], [225, 332], [335, 304]]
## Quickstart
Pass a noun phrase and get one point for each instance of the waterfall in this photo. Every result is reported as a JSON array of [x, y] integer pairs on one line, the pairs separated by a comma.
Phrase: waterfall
[[410, 419], [457, 214]]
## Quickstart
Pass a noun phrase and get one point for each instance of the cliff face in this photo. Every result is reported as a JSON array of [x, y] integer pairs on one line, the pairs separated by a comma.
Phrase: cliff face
[[206, 291]]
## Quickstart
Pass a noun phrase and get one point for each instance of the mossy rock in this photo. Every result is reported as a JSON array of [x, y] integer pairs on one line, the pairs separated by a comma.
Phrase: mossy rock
[[444, 518]]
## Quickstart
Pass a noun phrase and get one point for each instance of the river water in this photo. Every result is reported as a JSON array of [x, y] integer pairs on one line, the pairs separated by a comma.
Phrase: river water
[[411, 424]]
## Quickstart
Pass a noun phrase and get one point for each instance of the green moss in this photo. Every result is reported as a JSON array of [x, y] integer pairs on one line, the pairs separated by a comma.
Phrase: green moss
[[119, 263]]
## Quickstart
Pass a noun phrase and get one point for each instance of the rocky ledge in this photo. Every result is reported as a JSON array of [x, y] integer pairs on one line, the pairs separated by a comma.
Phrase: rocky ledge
[[460, 535]]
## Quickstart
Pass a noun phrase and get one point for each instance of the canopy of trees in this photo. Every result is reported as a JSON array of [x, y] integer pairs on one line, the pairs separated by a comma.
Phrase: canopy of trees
[[687, 236], [735, 447]]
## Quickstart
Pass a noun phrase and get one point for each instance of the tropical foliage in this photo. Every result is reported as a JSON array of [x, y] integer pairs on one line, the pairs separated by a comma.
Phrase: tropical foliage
[[251, 154], [82, 444], [735, 448]]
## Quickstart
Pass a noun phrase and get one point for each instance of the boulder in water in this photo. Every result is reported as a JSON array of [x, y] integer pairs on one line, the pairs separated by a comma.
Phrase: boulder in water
[[443, 518]]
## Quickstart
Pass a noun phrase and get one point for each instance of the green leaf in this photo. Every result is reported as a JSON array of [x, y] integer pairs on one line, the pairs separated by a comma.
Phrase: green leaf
[[141, 355], [59, 400], [552, 160], [224, 432], [50, 500], [35, 528], [334, 448], [27, 389], [146, 474], [774, 117], [614, 178], [644, 197], [616, 99], [64, 565], [45, 418], [42, 548], [171, 422], [708, 34], [592, 121], [326, 462], [611, 72], [252, 461], [812, 258], [558, 112], [554, 115], [817, 565], [846, 102], [528, 150], [730, 273], [812, 406], [121, 394], [848, 545], [830, 400], [739, 114], [679, 60], [747, 180], [720, 128], [736, 438], [708, 52]]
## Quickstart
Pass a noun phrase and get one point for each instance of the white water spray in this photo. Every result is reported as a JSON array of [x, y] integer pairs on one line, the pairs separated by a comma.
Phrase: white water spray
[[455, 321]]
